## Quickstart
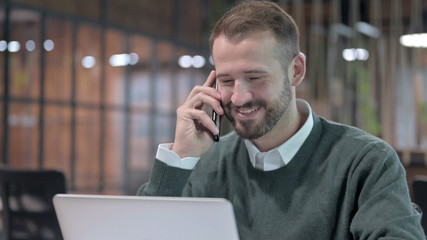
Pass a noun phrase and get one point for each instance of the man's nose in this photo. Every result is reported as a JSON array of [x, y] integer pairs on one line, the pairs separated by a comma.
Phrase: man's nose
[[241, 93]]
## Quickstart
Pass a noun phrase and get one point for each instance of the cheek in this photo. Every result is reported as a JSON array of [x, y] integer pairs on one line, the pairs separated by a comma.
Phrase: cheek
[[265, 92], [225, 95], [259, 92]]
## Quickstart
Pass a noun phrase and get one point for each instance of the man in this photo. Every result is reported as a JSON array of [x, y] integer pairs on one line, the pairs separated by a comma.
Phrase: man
[[288, 173]]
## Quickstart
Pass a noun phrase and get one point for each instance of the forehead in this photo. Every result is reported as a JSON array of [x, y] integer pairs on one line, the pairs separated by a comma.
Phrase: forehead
[[261, 43], [240, 37], [253, 51]]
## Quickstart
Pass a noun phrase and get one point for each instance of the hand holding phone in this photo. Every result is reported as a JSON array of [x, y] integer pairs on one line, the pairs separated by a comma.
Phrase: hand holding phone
[[194, 127]]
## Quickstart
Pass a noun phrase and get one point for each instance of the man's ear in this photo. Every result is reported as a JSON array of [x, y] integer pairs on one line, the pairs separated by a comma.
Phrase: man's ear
[[296, 70]]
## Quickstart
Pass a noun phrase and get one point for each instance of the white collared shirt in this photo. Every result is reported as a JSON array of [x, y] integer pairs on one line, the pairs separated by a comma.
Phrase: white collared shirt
[[266, 161], [283, 154]]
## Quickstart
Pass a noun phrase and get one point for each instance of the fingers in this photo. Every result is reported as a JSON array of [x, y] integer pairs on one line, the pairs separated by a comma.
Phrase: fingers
[[201, 99], [206, 94], [207, 87], [203, 119], [203, 90], [211, 79], [200, 96]]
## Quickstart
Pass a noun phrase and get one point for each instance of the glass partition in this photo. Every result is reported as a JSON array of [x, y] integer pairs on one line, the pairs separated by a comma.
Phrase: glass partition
[[24, 52], [88, 64], [113, 167], [24, 136], [115, 63], [87, 142], [58, 59], [140, 89], [57, 138]]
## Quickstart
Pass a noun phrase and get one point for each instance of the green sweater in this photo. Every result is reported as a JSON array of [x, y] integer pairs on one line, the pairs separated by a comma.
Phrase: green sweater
[[342, 184]]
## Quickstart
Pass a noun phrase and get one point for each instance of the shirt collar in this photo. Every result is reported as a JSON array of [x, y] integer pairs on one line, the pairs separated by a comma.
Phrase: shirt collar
[[283, 154]]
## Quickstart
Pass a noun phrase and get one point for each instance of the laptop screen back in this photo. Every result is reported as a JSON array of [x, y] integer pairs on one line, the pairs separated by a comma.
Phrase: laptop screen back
[[91, 217]]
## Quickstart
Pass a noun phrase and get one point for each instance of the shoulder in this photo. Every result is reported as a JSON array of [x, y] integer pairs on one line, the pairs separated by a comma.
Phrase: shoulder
[[361, 148], [351, 136]]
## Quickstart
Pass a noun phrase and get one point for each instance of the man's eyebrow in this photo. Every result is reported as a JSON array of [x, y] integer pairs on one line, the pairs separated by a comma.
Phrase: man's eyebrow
[[245, 72], [222, 75], [255, 71]]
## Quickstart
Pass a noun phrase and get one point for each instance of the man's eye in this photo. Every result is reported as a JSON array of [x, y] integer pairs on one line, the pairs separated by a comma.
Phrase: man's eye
[[255, 78], [227, 81]]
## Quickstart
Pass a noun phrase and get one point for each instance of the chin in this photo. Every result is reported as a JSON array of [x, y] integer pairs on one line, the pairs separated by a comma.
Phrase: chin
[[248, 129]]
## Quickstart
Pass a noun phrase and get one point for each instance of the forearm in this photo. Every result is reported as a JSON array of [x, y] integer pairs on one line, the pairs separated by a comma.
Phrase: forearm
[[384, 209], [165, 181]]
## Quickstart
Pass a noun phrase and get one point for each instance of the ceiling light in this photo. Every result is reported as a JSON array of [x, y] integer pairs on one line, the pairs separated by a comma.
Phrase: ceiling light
[[13, 46], [88, 62], [416, 40]]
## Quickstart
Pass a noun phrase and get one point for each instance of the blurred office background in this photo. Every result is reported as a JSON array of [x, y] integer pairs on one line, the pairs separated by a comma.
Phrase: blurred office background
[[90, 87]]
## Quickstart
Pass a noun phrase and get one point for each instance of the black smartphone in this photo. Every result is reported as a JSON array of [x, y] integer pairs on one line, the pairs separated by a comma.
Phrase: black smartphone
[[216, 117]]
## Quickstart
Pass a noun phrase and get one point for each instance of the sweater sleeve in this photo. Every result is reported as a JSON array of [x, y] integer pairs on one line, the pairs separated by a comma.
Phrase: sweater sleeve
[[165, 181], [384, 209]]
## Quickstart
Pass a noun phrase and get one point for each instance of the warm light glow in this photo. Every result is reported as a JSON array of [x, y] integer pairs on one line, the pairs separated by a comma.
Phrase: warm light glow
[[198, 61], [88, 62], [362, 54], [30, 45], [48, 45], [349, 55], [13, 46], [417, 40], [187, 61], [119, 60], [3, 45], [353, 54], [133, 58]]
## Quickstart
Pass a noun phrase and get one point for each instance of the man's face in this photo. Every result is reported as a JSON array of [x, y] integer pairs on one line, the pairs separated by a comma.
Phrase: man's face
[[254, 86]]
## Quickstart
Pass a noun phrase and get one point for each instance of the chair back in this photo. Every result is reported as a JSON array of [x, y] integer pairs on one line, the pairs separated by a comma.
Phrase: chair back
[[419, 189], [28, 211]]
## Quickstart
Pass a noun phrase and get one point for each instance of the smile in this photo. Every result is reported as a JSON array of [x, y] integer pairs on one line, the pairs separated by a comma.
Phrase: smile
[[247, 111]]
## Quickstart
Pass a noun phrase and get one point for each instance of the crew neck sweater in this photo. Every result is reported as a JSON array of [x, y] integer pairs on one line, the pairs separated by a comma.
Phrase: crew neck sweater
[[342, 184]]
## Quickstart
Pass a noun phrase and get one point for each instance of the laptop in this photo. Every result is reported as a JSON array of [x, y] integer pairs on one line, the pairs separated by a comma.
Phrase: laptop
[[94, 217]]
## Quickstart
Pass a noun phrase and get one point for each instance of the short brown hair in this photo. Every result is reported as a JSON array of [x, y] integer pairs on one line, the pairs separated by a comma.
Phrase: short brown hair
[[252, 16]]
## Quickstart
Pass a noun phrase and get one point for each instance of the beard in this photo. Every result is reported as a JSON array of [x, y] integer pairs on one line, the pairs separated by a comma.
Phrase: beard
[[249, 129]]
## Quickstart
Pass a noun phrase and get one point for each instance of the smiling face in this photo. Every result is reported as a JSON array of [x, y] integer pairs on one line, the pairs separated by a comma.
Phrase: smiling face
[[253, 82]]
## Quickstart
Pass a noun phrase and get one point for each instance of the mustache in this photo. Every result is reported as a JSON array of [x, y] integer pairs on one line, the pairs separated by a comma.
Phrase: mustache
[[258, 103]]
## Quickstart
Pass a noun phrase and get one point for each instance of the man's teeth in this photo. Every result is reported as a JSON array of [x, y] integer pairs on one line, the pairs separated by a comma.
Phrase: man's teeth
[[248, 111]]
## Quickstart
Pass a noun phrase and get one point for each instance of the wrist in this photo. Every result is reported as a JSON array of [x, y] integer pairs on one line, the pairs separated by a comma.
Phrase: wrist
[[182, 154]]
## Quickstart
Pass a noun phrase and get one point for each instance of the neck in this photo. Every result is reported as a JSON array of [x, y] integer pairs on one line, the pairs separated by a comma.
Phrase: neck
[[290, 123]]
